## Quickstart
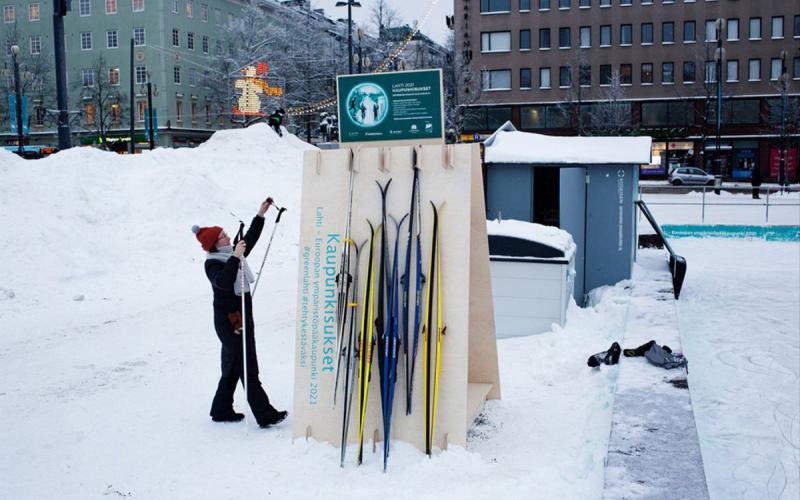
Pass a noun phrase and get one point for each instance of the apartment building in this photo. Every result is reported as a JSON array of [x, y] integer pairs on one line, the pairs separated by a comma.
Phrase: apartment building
[[650, 67]]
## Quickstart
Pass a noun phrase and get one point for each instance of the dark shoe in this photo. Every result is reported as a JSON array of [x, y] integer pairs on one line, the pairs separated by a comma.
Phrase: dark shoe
[[613, 354], [276, 418], [639, 351], [232, 416]]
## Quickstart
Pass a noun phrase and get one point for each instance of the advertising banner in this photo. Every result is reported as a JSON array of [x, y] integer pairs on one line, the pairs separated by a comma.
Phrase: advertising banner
[[398, 106], [12, 109], [775, 163]]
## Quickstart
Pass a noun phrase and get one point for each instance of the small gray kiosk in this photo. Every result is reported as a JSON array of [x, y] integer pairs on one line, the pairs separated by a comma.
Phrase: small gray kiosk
[[584, 185]]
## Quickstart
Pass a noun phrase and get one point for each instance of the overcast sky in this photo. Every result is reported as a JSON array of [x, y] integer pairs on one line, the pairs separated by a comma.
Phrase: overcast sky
[[409, 10]]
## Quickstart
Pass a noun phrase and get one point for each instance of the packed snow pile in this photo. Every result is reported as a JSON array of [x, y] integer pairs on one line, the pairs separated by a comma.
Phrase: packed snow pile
[[531, 231], [508, 145]]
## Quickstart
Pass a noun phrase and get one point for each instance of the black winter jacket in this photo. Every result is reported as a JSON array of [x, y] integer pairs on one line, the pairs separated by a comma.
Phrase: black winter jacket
[[222, 275]]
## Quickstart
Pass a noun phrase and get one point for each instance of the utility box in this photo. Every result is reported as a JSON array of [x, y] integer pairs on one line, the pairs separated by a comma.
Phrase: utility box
[[533, 275]]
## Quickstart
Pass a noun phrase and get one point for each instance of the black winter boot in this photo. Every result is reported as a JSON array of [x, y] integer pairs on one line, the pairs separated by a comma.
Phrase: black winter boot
[[609, 357], [231, 416], [639, 351], [275, 419]]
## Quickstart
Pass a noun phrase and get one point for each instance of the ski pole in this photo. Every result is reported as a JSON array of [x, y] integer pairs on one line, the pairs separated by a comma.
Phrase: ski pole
[[244, 343], [269, 244]]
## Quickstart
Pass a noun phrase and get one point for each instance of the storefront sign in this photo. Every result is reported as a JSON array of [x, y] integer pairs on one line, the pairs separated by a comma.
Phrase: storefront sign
[[397, 106]]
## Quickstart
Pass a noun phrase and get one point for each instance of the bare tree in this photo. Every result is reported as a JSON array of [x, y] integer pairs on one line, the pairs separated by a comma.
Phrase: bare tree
[[383, 16], [100, 99], [611, 115], [571, 107], [461, 88]]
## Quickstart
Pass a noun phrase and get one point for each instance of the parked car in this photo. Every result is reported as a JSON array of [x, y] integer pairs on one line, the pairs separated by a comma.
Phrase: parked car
[[690, 175]]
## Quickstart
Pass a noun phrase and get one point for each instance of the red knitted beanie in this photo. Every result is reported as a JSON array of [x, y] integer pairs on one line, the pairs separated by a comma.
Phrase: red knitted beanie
[[207, 236]]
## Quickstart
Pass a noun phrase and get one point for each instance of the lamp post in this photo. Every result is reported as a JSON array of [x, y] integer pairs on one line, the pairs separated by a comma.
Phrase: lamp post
[[350, 4], [150, 124], [784, 83], [719, 56], [18, 95]]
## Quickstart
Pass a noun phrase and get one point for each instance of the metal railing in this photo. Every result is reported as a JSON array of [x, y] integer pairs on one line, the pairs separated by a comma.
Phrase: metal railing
[[778, 196]]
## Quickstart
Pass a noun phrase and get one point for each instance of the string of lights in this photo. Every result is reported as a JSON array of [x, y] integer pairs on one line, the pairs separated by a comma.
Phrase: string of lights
[[385, 65]]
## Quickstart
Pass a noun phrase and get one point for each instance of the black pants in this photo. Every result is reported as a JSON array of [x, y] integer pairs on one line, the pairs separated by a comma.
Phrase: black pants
[[232, 365]]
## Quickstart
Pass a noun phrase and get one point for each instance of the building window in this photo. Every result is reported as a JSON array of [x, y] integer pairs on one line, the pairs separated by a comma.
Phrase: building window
[[138, 5], [85, 8], [797, 68], [176, 40], [586, 37], [498, 41], [204, 12], [138, 36], [626, 34], [193, 106], [774, 69], [647, 33], [189, 8], [647, 73], [689, 35], [205, 45], [733, 30], [605, 3], [544, 38], [111, 6], [605, 74], [668, 114], [33, 12], [39, 113], [564, 4], [564, 76], [544, 4], [496, 79], [524, 78], [218, 47], [626, 74], [544, 78], [141, 106], [711, 31], [88, 113], [179, 110], [563, 38], [495, 5], [524, 39], [175, 6], [112, 40], [9, 15], [192, 77], [585, 4], [647, 2], [777, 27], [733, 70], [87, 78], [140, 75], [623, 3], [667, 72], [86, 40], [797, 26], [688, 72], [113, 76], [190, 40], [176, 75], [36, 45], [585, 75], [711, 72], [755, 28], [754, 70], [208, 112], [605, 35], [668, 32]]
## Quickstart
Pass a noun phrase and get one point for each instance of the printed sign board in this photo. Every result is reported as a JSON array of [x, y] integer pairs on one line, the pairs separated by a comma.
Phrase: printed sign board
[[12, 109], [398, 106]]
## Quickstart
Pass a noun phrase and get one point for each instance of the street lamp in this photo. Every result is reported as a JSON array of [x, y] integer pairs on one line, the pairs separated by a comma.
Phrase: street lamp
[[784, 88], [350, 4], [18, 94], [150, 130], [719, 56]]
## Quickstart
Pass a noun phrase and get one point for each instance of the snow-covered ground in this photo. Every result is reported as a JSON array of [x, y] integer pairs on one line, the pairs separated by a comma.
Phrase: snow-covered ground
[[108, 359]]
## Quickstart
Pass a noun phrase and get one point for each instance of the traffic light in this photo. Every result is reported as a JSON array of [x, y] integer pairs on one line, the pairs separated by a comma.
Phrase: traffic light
[[62, 7]]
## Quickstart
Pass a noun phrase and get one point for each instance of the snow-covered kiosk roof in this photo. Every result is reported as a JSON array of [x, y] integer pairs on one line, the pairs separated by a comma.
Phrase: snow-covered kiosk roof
[[514, 238], [508, 145]]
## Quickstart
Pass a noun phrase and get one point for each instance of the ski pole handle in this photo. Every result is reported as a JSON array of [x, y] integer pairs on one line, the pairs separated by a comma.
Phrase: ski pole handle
[[280, 212]]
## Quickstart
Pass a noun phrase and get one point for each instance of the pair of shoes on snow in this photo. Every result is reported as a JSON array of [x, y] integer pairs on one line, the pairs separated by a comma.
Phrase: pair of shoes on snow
[[609, 357], [231, 416], [639, 351], [276, 418]]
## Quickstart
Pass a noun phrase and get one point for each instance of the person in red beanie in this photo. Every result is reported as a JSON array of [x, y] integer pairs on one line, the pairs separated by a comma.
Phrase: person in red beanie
[[224, 272]]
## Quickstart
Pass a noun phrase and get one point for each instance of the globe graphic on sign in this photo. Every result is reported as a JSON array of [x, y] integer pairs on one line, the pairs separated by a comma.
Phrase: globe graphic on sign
[[367, 105]]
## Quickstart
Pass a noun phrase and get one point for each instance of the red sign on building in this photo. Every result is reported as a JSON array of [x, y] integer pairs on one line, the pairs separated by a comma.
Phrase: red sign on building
[[775, 163]]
